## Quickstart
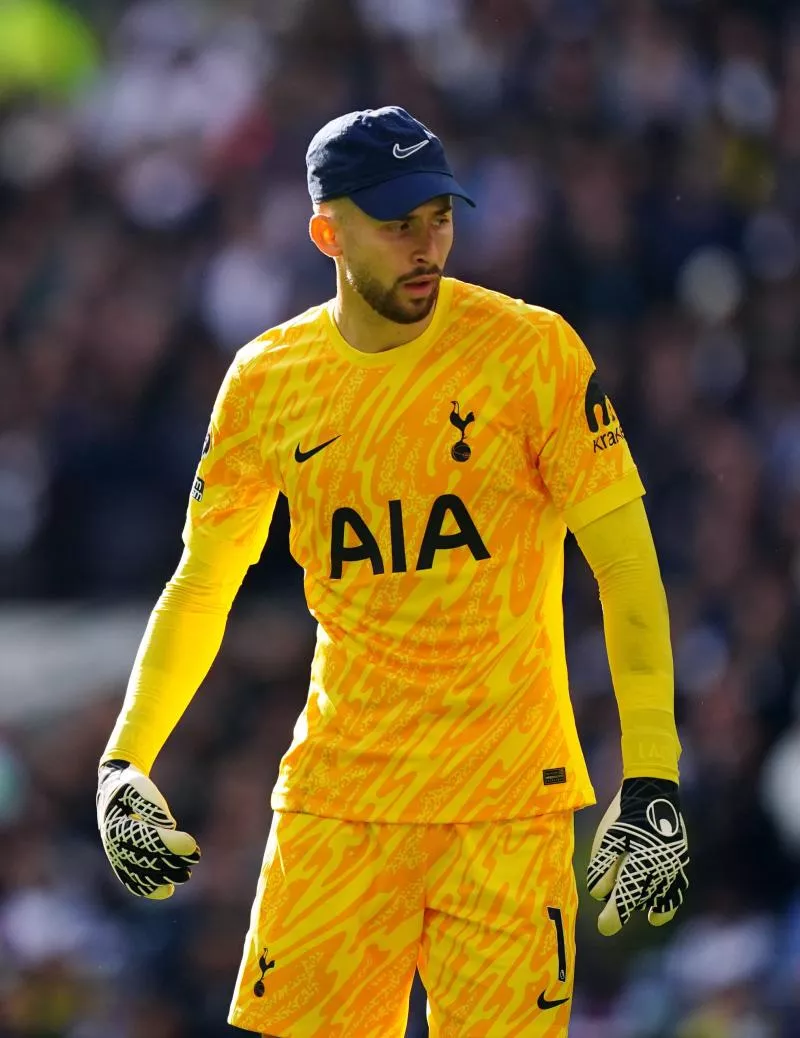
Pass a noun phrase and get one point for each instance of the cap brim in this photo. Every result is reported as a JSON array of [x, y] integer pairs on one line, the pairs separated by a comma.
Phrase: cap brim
[[395, 198]]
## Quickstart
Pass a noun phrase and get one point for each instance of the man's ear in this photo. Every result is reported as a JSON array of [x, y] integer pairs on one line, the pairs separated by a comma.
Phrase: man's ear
[[323, 232]]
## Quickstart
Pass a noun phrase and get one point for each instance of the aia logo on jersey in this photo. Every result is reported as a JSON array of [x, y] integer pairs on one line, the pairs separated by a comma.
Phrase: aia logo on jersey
[[461, 450], [600, 412], [353, 541]]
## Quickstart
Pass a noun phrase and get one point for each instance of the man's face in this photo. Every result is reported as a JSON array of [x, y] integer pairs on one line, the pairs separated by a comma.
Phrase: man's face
[[396, 266]]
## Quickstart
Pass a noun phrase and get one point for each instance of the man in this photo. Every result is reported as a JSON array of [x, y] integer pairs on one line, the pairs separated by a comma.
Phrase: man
[[435, 441]]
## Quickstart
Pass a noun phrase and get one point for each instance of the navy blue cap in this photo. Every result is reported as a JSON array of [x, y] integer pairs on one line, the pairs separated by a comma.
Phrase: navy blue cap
[[383, 159]]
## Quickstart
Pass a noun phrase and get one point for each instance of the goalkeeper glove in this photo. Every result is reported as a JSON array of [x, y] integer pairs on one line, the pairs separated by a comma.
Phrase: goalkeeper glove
[[147, 853], [639, 855]]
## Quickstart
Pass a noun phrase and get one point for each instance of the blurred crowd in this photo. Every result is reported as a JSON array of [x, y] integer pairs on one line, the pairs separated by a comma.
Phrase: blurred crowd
[[637, 168]]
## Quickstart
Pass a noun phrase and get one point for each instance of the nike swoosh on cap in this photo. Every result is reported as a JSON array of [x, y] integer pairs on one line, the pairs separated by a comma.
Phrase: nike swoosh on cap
[[301, 455], [404, 153]]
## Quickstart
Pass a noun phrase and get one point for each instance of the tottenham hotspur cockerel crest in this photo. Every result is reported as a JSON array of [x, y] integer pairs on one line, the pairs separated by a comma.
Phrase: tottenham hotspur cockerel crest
[[461, 450]]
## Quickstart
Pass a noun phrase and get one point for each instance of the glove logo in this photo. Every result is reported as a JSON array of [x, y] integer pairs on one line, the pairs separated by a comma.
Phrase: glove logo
[[663, 817]]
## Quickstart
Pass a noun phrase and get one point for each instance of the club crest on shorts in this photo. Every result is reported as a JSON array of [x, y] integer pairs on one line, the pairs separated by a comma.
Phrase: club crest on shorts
[[265, 967]]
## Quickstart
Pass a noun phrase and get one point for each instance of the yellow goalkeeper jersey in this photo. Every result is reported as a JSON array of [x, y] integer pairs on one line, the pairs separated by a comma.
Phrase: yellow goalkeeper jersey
[[430, 489]]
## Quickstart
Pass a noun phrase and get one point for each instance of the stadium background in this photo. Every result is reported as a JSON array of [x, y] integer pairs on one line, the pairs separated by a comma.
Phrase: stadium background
[[637, 168]]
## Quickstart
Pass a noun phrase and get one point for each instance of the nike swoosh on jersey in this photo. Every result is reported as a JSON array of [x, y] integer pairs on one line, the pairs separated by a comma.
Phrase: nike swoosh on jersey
[[543, 1003], [403, 153], [300, 455]]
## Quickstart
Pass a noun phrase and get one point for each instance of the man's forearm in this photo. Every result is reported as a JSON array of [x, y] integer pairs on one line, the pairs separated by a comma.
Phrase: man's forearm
[[179, 645], [619, 548]]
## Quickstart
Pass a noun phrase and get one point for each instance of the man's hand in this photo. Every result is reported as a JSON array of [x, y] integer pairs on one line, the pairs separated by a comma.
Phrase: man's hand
[[139, 835], [639, 855]]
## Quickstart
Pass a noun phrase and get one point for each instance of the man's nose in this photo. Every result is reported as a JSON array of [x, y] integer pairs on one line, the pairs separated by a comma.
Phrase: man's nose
[[425, 246]]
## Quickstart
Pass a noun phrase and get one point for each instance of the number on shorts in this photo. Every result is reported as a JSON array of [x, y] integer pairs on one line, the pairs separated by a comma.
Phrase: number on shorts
[[555, 915]]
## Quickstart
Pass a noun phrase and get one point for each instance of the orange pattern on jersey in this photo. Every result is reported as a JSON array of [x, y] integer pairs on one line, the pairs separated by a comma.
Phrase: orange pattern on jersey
[[438, 688], [345, 911]]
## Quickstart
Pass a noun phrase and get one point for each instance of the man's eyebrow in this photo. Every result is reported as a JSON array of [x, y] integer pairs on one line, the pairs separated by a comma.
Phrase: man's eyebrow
[[440, 210]]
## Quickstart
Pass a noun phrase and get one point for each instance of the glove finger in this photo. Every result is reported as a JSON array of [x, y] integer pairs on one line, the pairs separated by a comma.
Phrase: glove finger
[[135, 883], [604, 856], [153, 840], [167, 872], [604, 865], [669, 888], [156, 883], [665, 904], [183, 876], [148, 867], [173, 871], [155, 868], [147, 888], [180, 843], [161, 893], [609, 921], [633, 881], [661, 918]]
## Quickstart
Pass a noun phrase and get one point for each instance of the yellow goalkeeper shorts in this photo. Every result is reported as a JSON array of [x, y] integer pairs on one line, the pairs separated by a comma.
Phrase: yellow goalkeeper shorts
[[345, 911]]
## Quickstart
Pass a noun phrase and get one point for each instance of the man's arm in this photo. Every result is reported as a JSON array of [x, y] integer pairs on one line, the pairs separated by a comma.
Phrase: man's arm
[[619, 548], [179, 645], [140, 836], [230, 510], [580, 452], [640, 853]]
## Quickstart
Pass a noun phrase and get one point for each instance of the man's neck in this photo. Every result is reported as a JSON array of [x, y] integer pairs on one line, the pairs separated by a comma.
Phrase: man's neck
[[365, 330]]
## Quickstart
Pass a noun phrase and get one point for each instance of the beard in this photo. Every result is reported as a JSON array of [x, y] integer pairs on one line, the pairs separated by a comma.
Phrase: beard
[[389, 302]]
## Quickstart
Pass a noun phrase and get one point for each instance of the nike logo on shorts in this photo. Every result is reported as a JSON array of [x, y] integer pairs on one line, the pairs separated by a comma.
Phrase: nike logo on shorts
[[300, 455], [543, 1003]]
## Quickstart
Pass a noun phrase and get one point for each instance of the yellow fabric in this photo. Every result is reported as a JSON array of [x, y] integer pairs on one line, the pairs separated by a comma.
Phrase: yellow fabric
[[487, 912], [179, 645], [430, 527], [619, 548]]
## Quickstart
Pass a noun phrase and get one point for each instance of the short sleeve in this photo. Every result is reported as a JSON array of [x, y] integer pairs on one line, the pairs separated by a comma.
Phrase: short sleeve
[[233, 497], [575, 434]]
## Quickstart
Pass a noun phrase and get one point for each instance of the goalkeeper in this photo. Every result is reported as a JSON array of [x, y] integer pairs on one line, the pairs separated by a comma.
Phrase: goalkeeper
[[435, 441]]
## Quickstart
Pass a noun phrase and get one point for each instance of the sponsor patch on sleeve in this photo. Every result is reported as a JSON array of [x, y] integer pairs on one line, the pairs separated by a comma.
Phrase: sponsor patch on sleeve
[[601, 417]]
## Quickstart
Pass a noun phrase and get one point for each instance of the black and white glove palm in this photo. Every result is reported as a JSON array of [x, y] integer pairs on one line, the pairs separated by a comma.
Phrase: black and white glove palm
[[639, 855], [147, 852]]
